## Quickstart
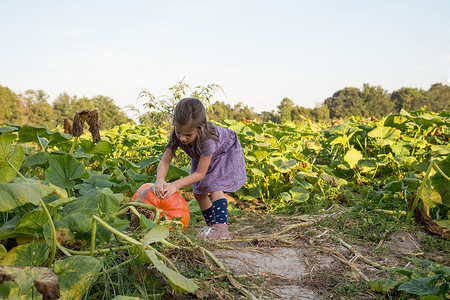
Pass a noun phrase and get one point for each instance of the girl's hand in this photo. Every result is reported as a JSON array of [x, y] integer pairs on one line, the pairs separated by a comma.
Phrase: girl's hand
[[158, 188], [170, 189]]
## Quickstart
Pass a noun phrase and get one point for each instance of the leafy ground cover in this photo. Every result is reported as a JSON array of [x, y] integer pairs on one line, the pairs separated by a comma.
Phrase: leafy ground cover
[[338, 200]]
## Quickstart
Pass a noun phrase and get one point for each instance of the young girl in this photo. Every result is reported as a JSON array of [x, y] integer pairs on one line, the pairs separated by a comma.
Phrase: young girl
[[217, 164]]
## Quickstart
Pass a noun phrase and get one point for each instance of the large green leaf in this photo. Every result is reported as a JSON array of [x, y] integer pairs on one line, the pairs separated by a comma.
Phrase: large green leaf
[[420, 286], [178, 282], [11, 158], [352, 157], [281, 165], [441, 149], [237, 127], [17, 194], [2, 250], [339, 140], [431, 297], [441, 183], [296, 194], [384, 135], [33, 221], [147, 223], [8, 129], [257, 172], [104, 235], [260, 154], [108, 201], [175, 173], [299, 194], [57, 138], [8, 231], [430, 119], [78, 215], [94, 181], [31, 133], [63, 170], [76, 274], [102, 147], [430, 197], [155, 234], [396, 121], [38, 159], [382, 285], [42, 135], [32, 255]]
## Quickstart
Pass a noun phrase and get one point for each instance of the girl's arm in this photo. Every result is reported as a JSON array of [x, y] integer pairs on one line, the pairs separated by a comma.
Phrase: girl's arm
[[161, 172], [198, 175]]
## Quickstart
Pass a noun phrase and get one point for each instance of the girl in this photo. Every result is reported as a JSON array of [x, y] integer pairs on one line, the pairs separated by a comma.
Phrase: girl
[[217, 164]]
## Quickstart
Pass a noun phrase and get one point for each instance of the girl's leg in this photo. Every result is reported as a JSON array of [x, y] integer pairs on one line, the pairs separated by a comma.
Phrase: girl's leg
[[206, 207], [220, 207]]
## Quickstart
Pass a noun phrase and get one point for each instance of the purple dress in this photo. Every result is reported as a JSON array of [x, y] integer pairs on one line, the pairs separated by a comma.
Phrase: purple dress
[[226, 172]]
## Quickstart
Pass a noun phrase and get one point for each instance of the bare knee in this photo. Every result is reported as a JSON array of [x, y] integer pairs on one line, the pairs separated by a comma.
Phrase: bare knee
[[203, 201], [217, 195]]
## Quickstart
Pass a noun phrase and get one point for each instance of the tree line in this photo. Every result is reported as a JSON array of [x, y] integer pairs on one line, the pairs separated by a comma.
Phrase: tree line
[[33, 108], [370, 101]]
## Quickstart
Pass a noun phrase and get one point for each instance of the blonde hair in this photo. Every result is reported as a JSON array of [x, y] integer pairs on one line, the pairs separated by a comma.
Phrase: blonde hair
[[191, 112]]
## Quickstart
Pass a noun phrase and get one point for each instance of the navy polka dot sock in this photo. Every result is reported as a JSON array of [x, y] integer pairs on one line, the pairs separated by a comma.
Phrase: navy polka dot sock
[[208, 215], [221, 210]]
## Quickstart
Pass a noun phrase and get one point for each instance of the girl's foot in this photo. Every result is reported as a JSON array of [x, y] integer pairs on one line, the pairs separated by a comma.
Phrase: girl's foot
[[219, 232], [205, 231]]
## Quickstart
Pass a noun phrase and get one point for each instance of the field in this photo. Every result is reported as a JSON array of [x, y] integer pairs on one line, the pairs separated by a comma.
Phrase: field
[[356, 210]]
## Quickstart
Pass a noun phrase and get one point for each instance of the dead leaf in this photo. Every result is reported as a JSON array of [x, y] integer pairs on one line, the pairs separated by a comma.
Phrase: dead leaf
[[62, 236], [5, 276], [67, 126], [91, 118], [333, 181], [44, 279], [421, 217]]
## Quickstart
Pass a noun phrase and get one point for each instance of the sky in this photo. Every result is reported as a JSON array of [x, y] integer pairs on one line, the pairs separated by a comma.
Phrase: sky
[[257, 51]]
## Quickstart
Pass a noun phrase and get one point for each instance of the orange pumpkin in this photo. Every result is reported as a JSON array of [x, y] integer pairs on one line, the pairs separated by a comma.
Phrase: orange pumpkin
[[172, 207], [139, 190]]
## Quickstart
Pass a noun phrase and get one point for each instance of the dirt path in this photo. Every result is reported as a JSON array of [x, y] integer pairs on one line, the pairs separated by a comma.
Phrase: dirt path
[[295, 258]]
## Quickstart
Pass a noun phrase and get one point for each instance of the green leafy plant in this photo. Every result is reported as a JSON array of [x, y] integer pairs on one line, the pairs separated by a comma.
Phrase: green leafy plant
[[427, 278]]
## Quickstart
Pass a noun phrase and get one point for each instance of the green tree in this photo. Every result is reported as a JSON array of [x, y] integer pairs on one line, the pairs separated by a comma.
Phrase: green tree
[[219, 110], [109, 114], [300, 113], [78, 104], [345, 103], [320, 113], [409, 99], [39, 110], [11, 107], [377, 101], [62, 108], [244, 112], [270, 116], [284, 110], [438, 97]]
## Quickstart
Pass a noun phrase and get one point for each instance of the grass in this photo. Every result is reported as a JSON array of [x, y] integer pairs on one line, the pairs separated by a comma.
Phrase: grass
[[133, 279], [434, 243]]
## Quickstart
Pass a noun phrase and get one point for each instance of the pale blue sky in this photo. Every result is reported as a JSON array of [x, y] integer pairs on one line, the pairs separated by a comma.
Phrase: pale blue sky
[[258, 51]]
